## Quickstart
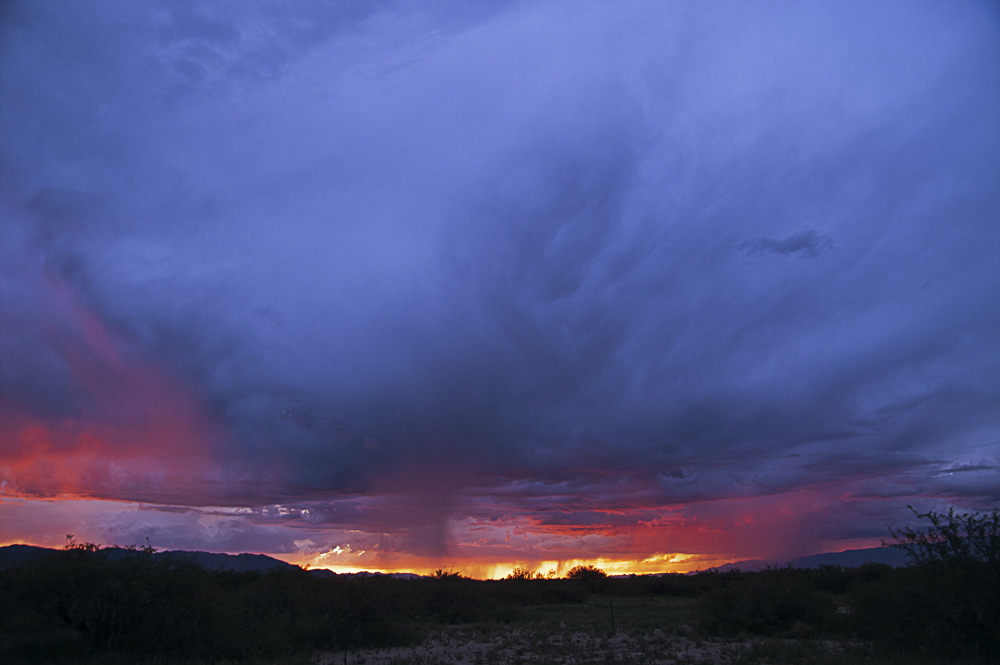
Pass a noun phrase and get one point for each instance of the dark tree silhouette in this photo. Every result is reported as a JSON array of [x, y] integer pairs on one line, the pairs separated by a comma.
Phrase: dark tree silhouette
[[948, 598], [585, 573], [953, 539]]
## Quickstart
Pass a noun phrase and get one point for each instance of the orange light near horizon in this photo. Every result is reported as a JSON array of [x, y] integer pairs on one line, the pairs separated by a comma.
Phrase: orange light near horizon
[[45, 522], [141, 435], [682, 538], [138, 433], [477, 569], [480, 565]]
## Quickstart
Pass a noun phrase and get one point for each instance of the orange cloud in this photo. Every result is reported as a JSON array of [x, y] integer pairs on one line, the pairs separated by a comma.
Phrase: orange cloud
[[135, 432]]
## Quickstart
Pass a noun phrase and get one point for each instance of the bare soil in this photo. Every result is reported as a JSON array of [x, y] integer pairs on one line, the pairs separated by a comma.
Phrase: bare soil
[[484, 645]]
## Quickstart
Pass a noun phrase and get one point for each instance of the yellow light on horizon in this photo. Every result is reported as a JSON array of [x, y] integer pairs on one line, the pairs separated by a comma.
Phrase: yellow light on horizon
[[676, 562]]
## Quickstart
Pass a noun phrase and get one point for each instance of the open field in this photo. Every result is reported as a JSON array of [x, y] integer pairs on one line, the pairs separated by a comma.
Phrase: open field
[[82, 606], [648, 631]]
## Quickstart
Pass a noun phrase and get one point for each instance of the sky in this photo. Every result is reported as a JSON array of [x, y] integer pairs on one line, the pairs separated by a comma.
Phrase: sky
[[474, 285]]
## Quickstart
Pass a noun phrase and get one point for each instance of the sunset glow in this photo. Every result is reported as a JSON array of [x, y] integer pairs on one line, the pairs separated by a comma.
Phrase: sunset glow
[[652, 288]]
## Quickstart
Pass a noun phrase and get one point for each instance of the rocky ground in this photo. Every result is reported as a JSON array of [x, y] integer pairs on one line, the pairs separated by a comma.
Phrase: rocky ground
[[466, 645]]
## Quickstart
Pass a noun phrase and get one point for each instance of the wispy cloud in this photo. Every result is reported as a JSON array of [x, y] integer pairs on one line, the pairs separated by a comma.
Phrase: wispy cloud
[[418, 270], [805, 243]]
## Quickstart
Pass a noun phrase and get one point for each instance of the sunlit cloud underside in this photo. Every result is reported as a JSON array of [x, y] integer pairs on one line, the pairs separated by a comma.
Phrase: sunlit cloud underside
[[484, 285]]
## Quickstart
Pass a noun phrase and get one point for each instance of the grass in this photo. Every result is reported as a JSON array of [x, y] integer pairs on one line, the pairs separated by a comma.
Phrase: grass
[[502, 644], [631, 614], [81, 607], [649, 631]]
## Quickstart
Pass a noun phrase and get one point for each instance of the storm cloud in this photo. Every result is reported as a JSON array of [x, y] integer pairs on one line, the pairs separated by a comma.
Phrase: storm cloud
[[519, 261]]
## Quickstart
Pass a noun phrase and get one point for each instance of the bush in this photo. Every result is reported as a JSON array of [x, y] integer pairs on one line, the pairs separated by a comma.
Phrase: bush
[[775, 601], [963, 540], [946, 600], [90, 600], [522, 574], [585, 573]]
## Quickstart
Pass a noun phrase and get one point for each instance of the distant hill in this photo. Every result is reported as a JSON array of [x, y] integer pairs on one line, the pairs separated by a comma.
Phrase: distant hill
[[240, 563], [14, 554], [892, 556], [21, 554], [323, 572], [745, 565]]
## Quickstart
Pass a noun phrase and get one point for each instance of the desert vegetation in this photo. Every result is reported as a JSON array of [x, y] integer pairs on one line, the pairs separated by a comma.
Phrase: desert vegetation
[[80, 605]]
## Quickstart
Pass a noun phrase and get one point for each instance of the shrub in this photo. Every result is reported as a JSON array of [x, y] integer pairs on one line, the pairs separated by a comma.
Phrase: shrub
[[775, 601], [447, 574], [956, 540], [89, 599], [585, 573], [947, 598], [521, 574]]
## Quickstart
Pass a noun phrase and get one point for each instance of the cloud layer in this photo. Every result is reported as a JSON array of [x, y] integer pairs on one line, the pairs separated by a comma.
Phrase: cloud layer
[[548, 263]]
